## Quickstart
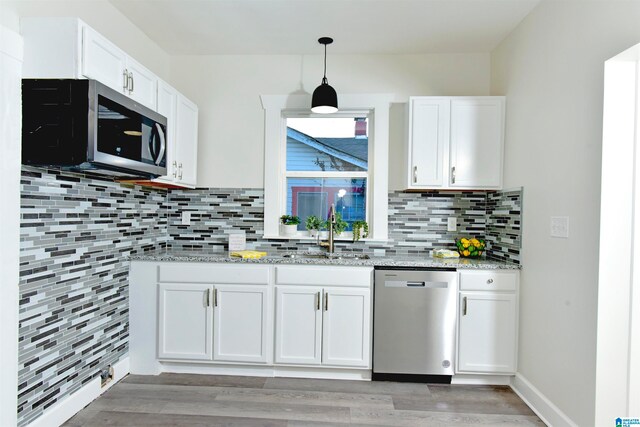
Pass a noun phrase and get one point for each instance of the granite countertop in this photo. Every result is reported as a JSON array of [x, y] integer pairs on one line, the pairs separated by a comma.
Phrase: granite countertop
[[374, 261]]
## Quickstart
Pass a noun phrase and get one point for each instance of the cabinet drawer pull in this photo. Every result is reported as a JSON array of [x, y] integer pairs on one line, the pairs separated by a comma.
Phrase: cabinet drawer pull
[[125, 79], [317, 301], [453, 174], [215, 297], [464, 306], [208, 302], [175, 169], [326, 301], [415, 174], [490, 281], [131, 81], [180, 171]]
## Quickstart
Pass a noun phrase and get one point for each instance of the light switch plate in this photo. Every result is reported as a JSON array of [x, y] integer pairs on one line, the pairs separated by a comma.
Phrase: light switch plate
[[560, 226], [186, 218], [452, 224]]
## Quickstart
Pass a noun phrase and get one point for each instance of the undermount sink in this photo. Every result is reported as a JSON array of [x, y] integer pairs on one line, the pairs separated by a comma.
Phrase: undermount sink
[[325, 255]]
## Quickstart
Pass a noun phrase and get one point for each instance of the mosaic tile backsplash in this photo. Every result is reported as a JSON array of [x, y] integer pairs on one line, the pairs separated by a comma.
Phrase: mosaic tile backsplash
[[417, 221], [75, 235], [77, 230]]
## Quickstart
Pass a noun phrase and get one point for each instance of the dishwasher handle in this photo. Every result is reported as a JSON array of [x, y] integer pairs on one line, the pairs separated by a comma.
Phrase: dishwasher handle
[[415, 284]]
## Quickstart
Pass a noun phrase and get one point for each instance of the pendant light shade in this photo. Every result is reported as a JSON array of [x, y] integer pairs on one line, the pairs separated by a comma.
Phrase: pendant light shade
[[325, 98]]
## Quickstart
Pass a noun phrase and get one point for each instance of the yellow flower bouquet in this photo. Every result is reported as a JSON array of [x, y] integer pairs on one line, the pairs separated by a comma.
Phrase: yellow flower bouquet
[[470, 248]]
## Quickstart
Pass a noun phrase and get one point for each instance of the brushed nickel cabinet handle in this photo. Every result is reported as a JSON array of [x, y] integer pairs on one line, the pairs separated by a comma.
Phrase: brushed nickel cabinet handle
[[131, 81], [215, 297], [415, 174], [208, 295], [175, 169], [464, 306], [125, 79], [326, 301], [453, 175], [318, 300], [490, 281], [180, 171]]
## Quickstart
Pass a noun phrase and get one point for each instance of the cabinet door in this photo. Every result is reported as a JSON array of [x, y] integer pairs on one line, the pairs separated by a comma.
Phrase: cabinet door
[[185, 321], [103, 61], [487, 332], [346, 327], [167, 104], [240, 323], [428, 137], [476, 142], [186, 142], [143, 84], [298, 325]]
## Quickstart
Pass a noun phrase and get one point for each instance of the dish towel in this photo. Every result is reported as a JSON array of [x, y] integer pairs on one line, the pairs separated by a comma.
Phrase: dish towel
[[248, 254], [445, 253]]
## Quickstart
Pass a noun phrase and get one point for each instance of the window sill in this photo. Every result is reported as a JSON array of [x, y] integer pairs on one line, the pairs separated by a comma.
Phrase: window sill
[[309, 238]]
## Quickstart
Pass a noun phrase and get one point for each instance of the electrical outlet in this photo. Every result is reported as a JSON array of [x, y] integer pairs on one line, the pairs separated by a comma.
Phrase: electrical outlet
[[106, 375], [186, 218], [452, 224], [560, 226]]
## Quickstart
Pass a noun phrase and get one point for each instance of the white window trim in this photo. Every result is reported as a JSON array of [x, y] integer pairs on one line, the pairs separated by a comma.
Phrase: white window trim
[[275, 156]]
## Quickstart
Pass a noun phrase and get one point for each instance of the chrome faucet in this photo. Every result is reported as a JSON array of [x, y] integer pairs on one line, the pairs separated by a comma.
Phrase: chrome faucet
[[329, 244]]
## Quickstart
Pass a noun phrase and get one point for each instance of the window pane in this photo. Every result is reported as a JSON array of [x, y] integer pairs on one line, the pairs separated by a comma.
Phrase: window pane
[[313, 196], [327, 144]]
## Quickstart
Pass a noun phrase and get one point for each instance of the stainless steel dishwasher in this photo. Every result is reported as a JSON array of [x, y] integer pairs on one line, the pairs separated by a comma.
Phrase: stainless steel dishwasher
[[414, 324]]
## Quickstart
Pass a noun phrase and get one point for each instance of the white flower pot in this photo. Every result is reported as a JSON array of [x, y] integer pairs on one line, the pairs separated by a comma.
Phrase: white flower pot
[[313, 233], [288, 230]]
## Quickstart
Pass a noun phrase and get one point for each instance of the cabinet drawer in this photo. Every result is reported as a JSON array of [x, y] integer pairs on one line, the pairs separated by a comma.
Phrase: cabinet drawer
[[324, 276], [213, 273], [488, 280]]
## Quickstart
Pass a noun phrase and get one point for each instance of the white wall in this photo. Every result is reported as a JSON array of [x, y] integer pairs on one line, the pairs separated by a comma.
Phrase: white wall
[[551, 70], [100, 15], [10, 129], [227, 90]]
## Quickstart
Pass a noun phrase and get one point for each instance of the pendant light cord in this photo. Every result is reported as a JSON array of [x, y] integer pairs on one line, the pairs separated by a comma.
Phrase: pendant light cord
[[324, 79]]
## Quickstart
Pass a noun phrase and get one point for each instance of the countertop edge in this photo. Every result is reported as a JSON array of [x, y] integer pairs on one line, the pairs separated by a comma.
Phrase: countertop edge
[[389, 261]]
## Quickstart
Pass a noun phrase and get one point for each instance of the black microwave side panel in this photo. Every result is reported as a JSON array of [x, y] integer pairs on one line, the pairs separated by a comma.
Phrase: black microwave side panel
[[55, 122]]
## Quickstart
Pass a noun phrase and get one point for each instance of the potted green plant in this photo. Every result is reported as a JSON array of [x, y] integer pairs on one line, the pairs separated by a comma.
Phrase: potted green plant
[[289, 225], [313, 224], [338, 227], [360, 230]]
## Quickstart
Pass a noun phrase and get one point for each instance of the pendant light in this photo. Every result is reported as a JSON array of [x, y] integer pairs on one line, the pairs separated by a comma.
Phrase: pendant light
[[324, 99]]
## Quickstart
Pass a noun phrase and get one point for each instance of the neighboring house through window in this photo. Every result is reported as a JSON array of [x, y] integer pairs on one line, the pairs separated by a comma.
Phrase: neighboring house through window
[[327, 163]]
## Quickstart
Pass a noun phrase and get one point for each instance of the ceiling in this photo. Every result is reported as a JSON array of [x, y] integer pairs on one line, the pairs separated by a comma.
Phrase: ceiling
[[211, 27]]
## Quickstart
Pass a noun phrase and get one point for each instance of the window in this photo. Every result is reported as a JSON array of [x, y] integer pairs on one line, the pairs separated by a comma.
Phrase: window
[[327, 162], [312, 161]]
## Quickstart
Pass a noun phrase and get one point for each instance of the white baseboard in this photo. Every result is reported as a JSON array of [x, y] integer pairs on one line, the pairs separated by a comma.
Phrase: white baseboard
[[470, 379], [57, 414], [267, 371], [549, 413]]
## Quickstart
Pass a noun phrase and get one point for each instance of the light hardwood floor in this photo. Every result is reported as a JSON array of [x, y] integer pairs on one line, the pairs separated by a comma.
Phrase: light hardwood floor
[[211, 400]]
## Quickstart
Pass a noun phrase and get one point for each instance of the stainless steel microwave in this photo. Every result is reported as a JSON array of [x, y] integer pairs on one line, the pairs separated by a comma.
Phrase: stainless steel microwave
[[84, 125]]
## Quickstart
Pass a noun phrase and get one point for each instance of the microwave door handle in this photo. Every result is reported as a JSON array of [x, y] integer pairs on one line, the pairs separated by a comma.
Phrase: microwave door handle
[[163, 144], [152, 145]]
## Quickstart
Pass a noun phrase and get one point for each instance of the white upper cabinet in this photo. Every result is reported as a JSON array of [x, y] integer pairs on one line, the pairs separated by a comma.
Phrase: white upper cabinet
[[69, 48], [455, 142], [182, 136], [102, 60], [428, 136]]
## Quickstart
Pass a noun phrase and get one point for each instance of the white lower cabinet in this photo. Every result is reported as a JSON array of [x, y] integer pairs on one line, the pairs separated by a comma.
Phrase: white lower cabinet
[[346, 327], [298, 325], [184, 321], [328, 326], [487, 322], [240, 323]]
